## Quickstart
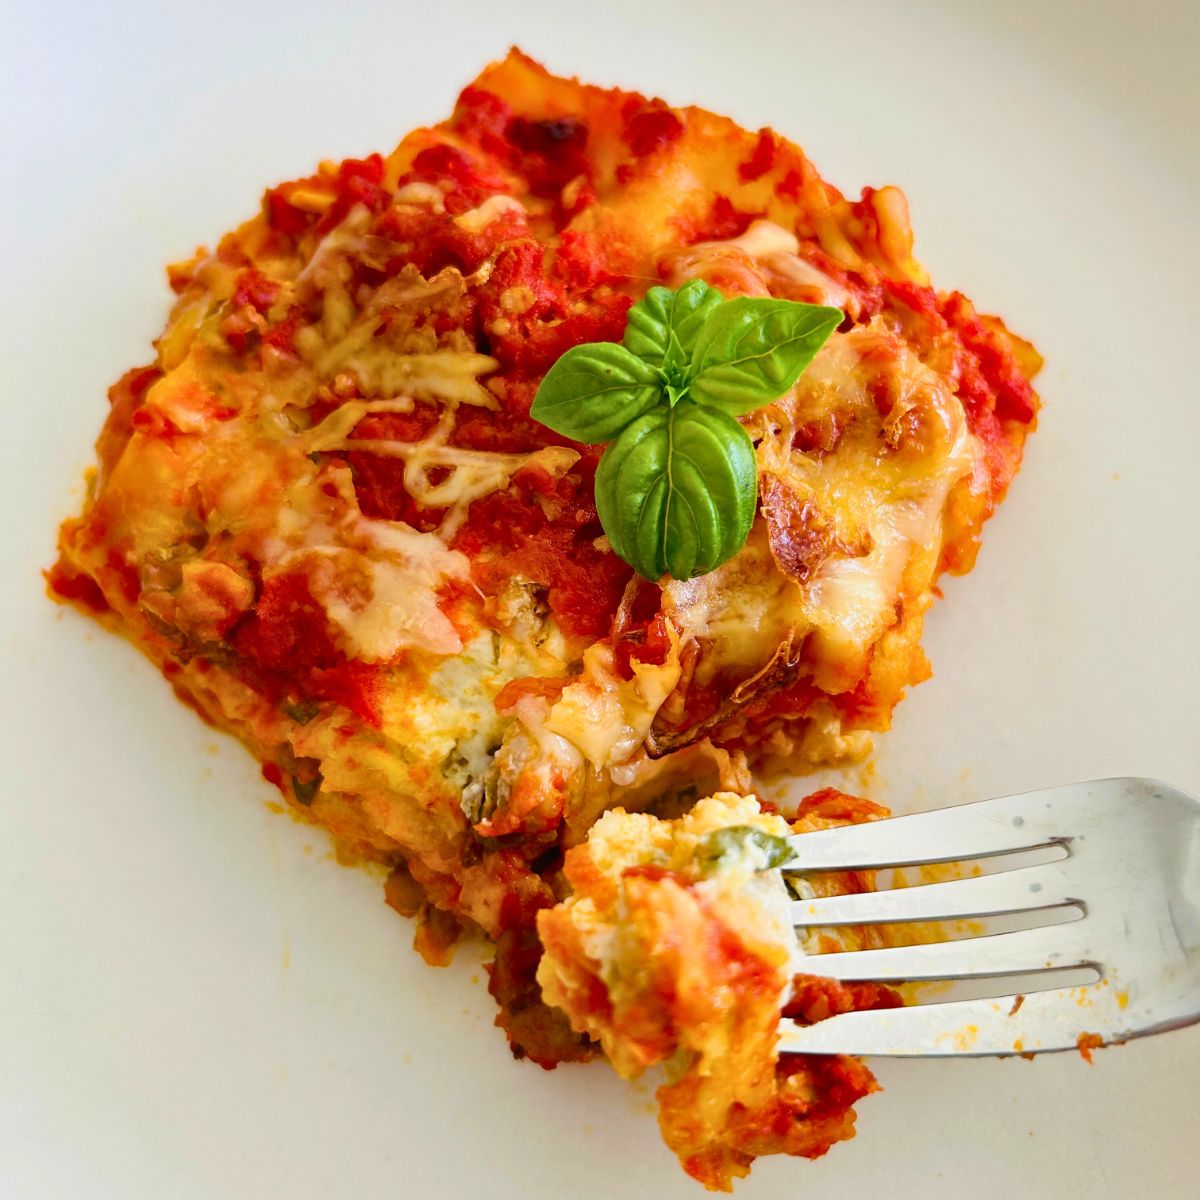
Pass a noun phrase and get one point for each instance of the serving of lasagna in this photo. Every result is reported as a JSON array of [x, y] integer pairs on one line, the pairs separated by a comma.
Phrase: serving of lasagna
[[676, 947], [325, 512]]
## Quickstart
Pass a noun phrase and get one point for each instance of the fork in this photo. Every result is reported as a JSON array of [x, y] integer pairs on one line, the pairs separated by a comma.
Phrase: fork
[[1130, 878]]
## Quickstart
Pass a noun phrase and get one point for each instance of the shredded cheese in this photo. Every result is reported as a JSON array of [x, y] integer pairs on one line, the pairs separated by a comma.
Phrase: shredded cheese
[[332, 433], [472, 473], [378, 581], [476, 220], [422, 193], [446, 375]]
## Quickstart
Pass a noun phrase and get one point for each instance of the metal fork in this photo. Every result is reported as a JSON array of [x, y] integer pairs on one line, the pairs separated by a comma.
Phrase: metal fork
[[1130, 876]]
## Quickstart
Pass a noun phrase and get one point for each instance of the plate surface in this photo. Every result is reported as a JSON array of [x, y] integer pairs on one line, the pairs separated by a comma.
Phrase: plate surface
[[194, 1002]]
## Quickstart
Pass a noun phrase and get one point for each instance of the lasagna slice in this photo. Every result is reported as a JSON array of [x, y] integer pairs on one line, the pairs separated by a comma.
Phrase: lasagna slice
[[676, 948], [324, 511]]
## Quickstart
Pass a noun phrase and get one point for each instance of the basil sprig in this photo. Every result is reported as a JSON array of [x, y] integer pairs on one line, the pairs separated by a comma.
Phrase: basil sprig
[[677, 487], [670, 491]]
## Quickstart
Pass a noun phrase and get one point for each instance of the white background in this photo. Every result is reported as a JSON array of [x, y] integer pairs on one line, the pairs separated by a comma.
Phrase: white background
[[193, 1001]]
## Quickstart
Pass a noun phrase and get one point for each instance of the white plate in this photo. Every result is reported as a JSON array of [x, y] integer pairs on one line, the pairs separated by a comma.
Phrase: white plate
[[193, 1003]]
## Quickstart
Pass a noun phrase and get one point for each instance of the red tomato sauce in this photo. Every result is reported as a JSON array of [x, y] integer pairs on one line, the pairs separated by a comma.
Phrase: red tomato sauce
[[75, 586], [287, 642], [651, 128], [544, 292]]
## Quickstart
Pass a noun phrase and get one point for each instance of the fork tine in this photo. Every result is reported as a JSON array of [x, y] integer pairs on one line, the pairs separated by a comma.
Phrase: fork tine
[[1132, 865], [1022, 952], [981, 829], [1027, 889], [1037, 1023]]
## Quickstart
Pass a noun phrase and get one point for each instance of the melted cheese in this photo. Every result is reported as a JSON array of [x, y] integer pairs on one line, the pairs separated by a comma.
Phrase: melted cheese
[[447, 375], [740, 612], [881, 504], [472, 473], [607, 717], [342, 238], [764, 239], [399, 609], [884, 501], [377, 580], [775, 251], [450, 377], [345, 332], [419, 193], [477, 219]]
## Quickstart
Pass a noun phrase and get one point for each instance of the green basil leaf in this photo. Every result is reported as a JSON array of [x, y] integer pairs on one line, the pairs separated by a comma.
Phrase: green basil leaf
[[593, 391], [739, 840], [751, 351], [663, 325], [676, 491], [677, 486]]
